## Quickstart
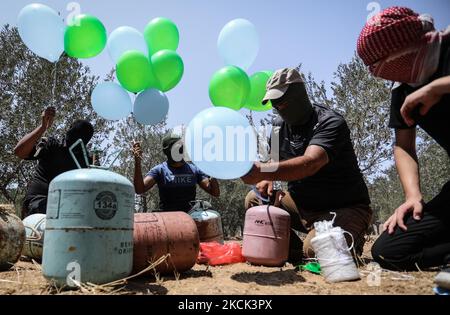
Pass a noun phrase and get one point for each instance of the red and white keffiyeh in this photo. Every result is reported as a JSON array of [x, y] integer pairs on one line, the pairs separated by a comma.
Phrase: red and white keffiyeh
[[400, 45]]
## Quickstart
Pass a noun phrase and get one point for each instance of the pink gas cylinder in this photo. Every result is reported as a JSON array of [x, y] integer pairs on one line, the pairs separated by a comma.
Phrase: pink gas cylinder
[[266, 236]]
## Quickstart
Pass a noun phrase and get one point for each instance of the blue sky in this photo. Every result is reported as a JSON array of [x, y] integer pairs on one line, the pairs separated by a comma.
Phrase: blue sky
[[320, 34]]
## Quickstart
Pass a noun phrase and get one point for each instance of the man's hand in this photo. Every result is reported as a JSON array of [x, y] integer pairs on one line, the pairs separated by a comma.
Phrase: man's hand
[[137, 151], [423, 99], [265, 188], [414, 205], [48, 115], [254, 176]]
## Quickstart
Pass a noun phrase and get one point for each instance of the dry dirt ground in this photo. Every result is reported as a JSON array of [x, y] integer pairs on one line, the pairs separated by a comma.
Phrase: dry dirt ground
[[237, 279]]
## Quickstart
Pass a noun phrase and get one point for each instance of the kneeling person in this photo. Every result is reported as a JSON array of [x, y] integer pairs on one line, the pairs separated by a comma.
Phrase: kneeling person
[[318, 161]]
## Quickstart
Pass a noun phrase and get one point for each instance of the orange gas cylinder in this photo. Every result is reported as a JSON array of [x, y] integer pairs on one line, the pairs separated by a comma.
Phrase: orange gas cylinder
[[159, 233]]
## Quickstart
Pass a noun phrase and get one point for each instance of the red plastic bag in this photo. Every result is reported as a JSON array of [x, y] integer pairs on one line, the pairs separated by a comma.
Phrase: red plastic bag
[[215, 254]]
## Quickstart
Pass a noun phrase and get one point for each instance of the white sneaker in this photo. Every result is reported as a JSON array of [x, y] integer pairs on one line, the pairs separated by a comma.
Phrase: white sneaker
[[442, 279]]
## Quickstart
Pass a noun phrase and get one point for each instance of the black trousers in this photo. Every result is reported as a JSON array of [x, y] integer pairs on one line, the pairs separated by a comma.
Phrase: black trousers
[[34, 205], [425, 244]]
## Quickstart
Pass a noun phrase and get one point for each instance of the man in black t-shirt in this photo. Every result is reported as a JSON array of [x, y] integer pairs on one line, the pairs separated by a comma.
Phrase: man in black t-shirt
[[317, 161], [53, 158], [414, 54]]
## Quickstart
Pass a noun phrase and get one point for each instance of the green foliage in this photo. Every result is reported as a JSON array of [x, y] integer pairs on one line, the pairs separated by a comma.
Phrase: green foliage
[[386, 190], [364, 102]]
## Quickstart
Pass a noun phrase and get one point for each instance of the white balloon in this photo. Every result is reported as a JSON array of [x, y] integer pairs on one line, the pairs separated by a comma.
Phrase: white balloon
[[238, 43], [222, 143], [42, 30], [123, 39], [151, 107], [111, 101]]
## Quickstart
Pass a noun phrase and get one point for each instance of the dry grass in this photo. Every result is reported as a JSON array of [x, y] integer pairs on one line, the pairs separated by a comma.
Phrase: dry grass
[[8, 208], [237, 279]]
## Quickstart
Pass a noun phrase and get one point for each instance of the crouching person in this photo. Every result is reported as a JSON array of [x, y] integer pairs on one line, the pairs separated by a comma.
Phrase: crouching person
[[416, 56], [317, 159]]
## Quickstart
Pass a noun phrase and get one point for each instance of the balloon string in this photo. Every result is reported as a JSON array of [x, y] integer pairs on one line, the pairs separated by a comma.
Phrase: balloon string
[[54, 72], [134, 124], [131, 122]]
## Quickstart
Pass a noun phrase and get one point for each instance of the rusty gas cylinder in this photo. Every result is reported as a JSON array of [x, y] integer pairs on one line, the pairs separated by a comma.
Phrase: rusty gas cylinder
[[12, 238], [159, 233]]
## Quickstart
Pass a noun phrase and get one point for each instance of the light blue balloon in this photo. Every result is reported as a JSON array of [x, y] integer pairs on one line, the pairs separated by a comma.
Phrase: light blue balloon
[[42, 31], [222, 143], [238, 43], [151, 107], [111, 101], [123, 39]]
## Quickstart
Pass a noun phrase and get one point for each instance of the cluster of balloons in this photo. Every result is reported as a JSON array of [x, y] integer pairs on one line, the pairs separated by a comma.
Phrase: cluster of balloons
[[231, 87], [147, 60], [43, 31], [145, 63], [112, 102], [219, 140]]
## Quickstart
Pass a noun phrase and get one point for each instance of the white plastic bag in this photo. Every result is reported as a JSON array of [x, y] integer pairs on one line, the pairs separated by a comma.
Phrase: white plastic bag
[[333, 253]]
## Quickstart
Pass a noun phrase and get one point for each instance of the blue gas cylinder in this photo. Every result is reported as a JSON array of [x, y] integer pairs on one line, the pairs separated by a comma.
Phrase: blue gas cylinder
[[89, 228]]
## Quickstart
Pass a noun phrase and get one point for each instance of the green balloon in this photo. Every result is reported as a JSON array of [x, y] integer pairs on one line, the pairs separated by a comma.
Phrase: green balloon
[[168, 68], [258, 83], [229, 87], [160, 34], [134, 72], [85, 37]]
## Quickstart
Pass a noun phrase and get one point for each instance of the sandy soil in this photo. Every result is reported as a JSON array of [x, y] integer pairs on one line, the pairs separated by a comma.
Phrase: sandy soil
[[237, 279]]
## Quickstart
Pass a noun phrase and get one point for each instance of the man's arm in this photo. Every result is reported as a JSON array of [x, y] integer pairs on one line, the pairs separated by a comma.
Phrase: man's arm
[[407, 163], [310, 163], [408, 170], [25, 146], [211, 186], [140, 185], [424, 98]]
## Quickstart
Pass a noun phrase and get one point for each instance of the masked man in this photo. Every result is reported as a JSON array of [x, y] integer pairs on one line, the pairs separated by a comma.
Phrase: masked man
[[177, 180], [317, 159], [403, 46], [53, 158]]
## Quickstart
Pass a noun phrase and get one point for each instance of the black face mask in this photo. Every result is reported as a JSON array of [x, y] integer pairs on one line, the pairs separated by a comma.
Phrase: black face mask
[[178, 149], [80, 129], [294, 106]]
